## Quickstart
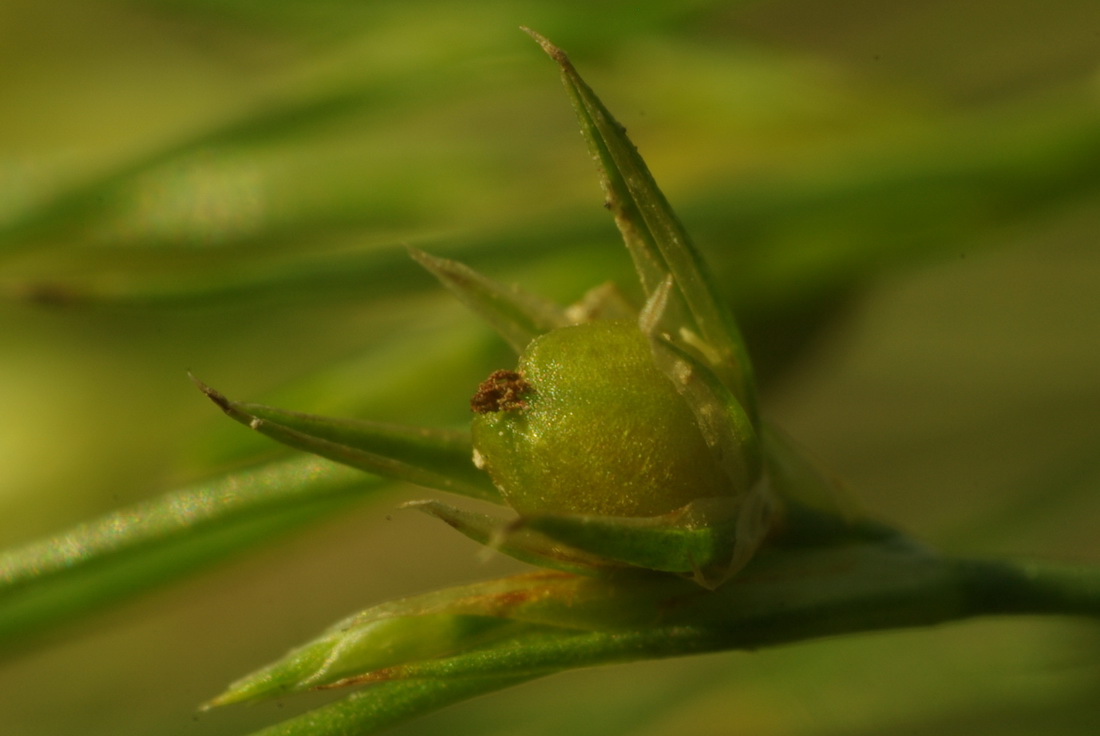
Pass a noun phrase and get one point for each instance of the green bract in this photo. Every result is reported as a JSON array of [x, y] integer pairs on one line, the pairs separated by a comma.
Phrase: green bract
[[589, 425]]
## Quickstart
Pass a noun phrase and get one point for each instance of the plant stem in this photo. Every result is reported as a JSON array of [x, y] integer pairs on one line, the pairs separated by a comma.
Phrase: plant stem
[[1030, 587]]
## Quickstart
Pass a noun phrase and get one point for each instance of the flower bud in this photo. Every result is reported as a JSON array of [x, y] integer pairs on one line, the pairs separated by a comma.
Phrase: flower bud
[[587, 424]]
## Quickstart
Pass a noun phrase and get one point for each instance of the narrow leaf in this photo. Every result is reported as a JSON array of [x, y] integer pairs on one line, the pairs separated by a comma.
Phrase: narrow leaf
[[517, 315], [128, 551], [433, 458]]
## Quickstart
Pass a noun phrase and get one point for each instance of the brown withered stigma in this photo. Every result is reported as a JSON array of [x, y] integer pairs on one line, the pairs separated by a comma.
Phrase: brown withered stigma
[[501, 391]]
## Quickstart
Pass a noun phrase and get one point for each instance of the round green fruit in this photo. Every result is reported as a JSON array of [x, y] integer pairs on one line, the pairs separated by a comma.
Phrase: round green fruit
[[587, 424]]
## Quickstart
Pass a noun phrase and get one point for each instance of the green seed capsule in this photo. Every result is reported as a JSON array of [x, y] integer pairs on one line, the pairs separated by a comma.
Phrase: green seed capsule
[[589, 425]]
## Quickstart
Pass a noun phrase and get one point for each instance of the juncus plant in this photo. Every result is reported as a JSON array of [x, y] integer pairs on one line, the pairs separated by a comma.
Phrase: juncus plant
[[629, 456]]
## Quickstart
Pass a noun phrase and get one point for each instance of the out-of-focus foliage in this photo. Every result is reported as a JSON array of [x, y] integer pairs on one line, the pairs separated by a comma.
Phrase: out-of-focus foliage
[[226, 187]]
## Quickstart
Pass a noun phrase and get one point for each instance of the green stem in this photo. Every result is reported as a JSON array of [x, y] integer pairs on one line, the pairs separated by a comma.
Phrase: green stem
[[1030, 587], [785, 596]]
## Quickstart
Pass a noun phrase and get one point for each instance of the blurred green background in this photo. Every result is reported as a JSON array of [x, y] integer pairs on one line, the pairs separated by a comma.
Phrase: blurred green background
[[902, 202]]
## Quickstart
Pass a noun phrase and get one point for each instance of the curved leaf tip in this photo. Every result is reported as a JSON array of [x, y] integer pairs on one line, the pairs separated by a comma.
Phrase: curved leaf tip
[[552, 51], [211, 393]]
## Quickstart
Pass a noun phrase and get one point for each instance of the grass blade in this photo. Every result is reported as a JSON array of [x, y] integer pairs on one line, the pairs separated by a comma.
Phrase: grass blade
[[129, 551]]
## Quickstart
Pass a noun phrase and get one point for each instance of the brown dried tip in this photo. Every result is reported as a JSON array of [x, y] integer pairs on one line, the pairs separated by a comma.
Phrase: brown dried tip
[[501, 391], [211, 393], [552, 51]]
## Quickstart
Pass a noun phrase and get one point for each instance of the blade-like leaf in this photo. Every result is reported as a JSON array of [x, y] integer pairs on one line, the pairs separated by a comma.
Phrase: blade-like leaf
[[657, 241], [564, 621], [129, 551], [517, 315], [433, 458]]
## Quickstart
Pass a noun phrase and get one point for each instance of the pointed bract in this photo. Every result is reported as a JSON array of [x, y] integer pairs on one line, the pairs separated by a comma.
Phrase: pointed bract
[[654, 235], [517, 315], [433, 458]]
